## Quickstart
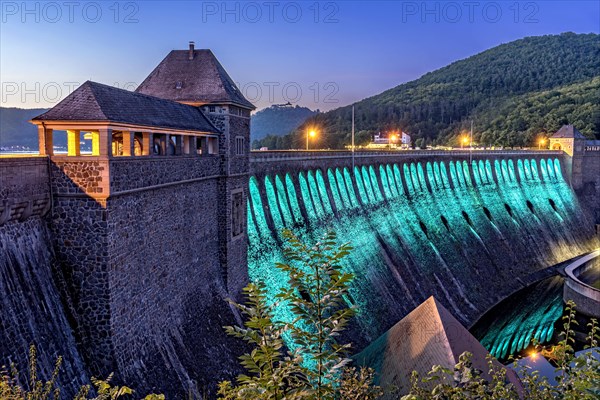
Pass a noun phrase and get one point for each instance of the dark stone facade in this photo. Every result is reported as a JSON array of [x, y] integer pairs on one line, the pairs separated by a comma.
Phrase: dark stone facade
[[167, 294], [233, 248], [146, 259]]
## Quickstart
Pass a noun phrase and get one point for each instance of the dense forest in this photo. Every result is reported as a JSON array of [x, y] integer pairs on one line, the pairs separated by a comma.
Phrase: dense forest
[[514, 93], [278, 120]]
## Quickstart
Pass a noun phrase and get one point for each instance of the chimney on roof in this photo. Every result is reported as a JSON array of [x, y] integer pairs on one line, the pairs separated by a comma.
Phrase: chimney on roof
[[191, 55]]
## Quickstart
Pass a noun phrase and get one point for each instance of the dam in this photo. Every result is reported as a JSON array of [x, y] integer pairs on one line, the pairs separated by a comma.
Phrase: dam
[[469, 228], [122, 260]]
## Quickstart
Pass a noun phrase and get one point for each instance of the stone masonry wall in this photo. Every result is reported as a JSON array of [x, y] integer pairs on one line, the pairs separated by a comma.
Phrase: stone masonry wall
[[239, 127], [168, 298], [588, 189], [80, 176], [134, 173], [78, 223], [30, 307], [24, 188], [233, 194]]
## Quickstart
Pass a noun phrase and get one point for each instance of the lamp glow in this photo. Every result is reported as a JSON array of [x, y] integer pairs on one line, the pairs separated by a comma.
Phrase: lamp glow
[[311, 133]]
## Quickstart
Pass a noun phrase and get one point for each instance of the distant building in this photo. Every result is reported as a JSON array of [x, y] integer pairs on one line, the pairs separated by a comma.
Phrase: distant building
[[565, 139], [582, 165], [382, 140]]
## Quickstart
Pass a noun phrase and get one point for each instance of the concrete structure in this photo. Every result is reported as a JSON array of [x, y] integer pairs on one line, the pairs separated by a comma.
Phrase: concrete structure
[[585, 296], [428, 336], [281, 162]]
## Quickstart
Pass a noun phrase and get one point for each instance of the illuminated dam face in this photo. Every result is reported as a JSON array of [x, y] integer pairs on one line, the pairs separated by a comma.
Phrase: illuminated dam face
[[469, 233]]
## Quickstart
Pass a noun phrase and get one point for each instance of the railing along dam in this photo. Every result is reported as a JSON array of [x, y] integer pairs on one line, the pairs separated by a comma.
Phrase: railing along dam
[[468, 227]]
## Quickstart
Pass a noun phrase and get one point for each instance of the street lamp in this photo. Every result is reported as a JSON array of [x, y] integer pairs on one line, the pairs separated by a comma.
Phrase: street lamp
[[542, 143], [392, 140], [464, 141], [310, 133]]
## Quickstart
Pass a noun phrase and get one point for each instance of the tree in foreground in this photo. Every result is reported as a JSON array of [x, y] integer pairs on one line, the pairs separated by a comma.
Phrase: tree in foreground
[[317, 367]]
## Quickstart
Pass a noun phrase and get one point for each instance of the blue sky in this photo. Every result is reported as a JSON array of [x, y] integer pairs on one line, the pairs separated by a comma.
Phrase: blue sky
[[317, 54]]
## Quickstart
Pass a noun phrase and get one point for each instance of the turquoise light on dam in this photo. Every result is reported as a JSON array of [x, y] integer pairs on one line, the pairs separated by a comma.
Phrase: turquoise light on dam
[[456, 229], [530, 314]]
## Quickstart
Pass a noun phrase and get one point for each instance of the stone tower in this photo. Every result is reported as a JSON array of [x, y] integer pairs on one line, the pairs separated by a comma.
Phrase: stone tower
[[195, 77], [583, 166], [572, 142], [149, 224]]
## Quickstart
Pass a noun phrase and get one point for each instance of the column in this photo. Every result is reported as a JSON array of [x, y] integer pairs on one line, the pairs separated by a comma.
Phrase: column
[[193, 144], [95, 143], [186, 144], [73, 138], [147, 142], [127, 143], [178, 145], [164, 144], [205, 145], [45, 141], [105, 142]]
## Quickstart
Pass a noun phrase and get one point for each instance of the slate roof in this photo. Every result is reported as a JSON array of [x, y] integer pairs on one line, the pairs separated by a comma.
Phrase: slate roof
[[428, 336], [568, 131], [202, 79], [94, 101]]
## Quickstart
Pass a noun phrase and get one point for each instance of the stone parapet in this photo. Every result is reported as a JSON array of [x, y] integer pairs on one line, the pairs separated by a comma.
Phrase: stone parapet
[[128, 174]]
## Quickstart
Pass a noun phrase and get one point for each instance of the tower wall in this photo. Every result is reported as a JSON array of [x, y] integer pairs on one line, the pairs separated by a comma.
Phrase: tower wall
[[234, 150], [144, 267]]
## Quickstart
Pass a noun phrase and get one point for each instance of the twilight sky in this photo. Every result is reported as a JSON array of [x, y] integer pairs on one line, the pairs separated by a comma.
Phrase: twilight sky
[[316, 54]]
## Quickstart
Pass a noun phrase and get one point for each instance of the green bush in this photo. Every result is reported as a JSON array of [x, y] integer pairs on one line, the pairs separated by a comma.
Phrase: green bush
[[318, 366], [10, 389]]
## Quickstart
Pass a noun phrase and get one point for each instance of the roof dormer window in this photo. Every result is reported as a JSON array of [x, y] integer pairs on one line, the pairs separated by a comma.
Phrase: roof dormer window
[[179, 85]]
